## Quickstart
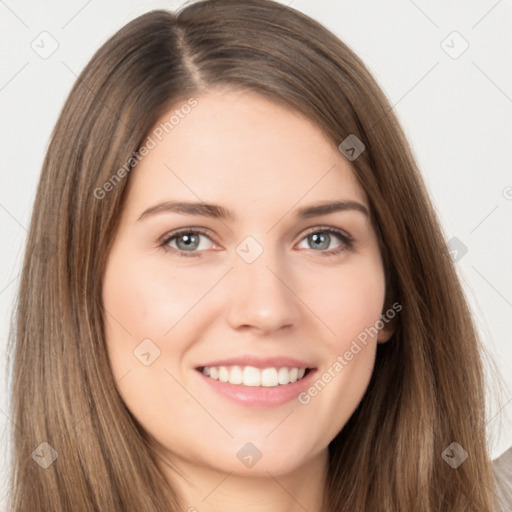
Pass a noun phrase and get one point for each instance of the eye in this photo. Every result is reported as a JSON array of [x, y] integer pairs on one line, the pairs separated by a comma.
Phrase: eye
[[187, 241], [322, 240], [191, 242]]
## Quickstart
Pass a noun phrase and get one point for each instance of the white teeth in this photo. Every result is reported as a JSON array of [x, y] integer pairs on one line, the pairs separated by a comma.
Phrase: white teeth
[[254, 377], [283, 377], [223, 374], [236, 376], [269, 377], [294, 373]]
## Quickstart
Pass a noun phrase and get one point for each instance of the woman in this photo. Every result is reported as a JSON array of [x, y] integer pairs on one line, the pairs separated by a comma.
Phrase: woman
[[246, 301]]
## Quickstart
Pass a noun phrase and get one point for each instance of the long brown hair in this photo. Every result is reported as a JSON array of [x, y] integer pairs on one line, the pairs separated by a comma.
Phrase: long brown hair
[[389, 455]]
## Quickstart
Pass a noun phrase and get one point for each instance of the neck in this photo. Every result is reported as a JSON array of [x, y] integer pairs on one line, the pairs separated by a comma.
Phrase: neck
[[203, 489]]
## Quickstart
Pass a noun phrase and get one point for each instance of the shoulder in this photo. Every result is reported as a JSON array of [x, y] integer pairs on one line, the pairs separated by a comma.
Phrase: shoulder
[[503, 471]]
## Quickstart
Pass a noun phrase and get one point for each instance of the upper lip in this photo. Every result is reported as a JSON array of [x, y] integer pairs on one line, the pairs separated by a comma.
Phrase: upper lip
[[259, 362]]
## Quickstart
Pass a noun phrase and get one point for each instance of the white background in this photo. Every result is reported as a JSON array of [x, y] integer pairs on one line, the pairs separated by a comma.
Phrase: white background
[[456, 113]]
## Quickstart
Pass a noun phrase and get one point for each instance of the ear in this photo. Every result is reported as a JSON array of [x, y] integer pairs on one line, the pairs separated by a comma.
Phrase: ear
[[386, 332], [389, 318]]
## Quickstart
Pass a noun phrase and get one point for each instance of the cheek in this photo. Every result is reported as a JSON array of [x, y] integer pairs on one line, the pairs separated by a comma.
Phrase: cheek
[[150, 302], [143, 302], [348, 301], [135, 309], [350, 306], [147, 301]]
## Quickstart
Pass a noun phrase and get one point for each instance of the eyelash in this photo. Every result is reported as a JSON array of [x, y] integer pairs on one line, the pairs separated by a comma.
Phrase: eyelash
[[347, 242]]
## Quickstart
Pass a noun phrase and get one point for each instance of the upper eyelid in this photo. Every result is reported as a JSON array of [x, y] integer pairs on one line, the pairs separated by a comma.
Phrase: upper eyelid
[[338, 231], [176, 232]]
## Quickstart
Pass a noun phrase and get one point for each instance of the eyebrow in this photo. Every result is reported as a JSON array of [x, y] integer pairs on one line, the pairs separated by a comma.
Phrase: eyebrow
[[219, 212]]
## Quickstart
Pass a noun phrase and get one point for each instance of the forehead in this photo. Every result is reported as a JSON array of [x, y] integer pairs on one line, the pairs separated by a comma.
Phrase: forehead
[[240, 149]]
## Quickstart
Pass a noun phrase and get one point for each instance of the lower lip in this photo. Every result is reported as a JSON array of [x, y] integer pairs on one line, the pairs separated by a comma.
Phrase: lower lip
[[260, 396]]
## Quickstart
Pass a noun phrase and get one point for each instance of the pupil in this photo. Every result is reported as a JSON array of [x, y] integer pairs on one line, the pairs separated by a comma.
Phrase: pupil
[[188, 241], [320, 240]]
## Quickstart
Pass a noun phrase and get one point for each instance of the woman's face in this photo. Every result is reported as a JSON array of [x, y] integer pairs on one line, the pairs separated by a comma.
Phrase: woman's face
[[261, 290]]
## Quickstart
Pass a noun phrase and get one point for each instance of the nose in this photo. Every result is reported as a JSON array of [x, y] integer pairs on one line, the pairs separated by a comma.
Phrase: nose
[[261, 296]]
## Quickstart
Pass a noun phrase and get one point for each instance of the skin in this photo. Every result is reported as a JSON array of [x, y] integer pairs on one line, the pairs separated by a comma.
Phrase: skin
[[263, 162]]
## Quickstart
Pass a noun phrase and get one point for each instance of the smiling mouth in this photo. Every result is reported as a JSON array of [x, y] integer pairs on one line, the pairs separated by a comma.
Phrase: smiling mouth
[[255, 377]]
